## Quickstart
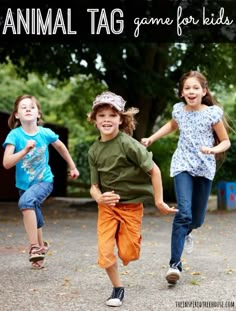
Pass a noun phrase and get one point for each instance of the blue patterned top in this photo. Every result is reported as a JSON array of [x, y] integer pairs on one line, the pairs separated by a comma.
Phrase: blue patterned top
[[195, 131]]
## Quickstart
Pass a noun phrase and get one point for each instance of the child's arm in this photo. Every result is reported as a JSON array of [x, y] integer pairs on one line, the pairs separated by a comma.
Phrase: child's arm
[[63, 151], [109, 198], [158, 192], [163, 131], [224, 144], [10, 158]]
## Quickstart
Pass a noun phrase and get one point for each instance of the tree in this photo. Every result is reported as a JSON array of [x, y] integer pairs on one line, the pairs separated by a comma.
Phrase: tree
[[144, 71], [145, 74]]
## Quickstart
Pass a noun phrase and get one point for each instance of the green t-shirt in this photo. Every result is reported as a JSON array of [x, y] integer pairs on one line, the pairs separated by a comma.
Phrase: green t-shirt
[[122, 164]]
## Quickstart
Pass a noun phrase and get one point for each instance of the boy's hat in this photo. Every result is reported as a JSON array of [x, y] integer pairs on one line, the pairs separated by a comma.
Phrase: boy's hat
[[110, 98]]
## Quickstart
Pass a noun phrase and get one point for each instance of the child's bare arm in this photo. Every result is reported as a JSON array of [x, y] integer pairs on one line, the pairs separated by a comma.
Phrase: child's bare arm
[[158, 192], [224, 144], [63, 151], [10, 158], [163, 131]]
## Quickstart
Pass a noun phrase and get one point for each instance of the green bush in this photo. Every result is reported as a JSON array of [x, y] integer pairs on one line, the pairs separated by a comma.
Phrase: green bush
[[226, 171], [81, 160], [163, 150]]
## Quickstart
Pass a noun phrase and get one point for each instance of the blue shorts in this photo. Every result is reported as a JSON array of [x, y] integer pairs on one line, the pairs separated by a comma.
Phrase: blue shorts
[[33, 197]]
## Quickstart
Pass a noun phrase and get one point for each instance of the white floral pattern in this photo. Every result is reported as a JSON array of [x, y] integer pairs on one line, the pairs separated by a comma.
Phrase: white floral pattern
[[195, 131]]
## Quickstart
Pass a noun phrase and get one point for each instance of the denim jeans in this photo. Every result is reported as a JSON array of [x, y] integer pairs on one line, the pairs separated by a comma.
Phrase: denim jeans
[[33, 197], [192, 195]]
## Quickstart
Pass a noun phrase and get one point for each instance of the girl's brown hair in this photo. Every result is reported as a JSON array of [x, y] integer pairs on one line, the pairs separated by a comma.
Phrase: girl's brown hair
[[13, 122], [128, 124]]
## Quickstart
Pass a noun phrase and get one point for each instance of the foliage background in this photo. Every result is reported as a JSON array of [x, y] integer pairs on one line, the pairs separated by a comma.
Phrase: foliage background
[[67, 101]]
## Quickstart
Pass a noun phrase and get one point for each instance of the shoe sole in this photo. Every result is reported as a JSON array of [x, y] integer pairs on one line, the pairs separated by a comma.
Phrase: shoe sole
[[38, 265], [172, 278], [36, 258], [115, 302]]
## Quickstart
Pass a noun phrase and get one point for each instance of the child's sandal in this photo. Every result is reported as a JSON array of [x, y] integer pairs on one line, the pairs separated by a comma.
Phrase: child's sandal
[[37, 265], [35, 253], [45, 247]]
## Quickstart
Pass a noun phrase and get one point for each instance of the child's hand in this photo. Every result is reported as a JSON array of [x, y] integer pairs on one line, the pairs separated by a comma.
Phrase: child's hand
[[207, 150], [30, 145], [146, 142], [109, 198], [74, 173], [165, 209]]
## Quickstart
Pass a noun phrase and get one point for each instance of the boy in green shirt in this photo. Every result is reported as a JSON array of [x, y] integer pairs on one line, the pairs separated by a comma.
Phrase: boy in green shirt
[[123, 175]]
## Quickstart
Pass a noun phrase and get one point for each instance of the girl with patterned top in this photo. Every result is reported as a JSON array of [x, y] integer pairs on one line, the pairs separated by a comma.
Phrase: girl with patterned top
[[202, 135], [26, 147]]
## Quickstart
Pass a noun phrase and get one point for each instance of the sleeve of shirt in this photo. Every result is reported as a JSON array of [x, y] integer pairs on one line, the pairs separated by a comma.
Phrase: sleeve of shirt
[[94, 178], [217, 114], [176, 110], [50, 135], [138, 154], [10, 139]]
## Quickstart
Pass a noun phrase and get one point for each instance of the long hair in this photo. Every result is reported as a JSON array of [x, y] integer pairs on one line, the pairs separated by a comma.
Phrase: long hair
[[207, 100], [128, 124], [13, 122]]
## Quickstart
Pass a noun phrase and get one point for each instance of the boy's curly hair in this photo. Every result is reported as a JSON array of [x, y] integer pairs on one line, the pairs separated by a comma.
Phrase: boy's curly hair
[[129, 122]]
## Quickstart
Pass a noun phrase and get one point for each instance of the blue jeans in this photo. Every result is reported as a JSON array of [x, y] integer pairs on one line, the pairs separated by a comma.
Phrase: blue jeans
[[192, 195], [33, 197]]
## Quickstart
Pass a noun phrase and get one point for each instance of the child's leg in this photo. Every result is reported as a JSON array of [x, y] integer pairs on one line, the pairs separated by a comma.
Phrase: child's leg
[[118, 291], [29, 203], [30, 223], [107, 228], [113, 274], [40, 236], [129, 234], [42, 243], [44, 249], [183, 183], [201, 192]]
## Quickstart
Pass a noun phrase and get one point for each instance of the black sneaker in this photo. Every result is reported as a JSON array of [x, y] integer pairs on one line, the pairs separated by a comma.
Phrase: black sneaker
[[116, 298]]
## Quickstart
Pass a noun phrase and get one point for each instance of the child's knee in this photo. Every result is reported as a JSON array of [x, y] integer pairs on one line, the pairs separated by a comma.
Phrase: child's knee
[[24, 205], [21, 203], [26, 202], [106, 261]]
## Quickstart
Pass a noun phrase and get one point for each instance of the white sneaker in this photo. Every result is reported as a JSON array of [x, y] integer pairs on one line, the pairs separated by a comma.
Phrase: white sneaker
[[188, 245], [116, 298], [173, 275]]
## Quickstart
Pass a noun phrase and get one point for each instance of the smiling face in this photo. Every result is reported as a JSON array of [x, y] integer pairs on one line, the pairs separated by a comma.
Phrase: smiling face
[[107, 121], [27, 111], [193, 92]]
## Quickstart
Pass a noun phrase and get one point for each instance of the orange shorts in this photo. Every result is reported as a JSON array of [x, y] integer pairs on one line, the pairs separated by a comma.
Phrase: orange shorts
[[121, 224]]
